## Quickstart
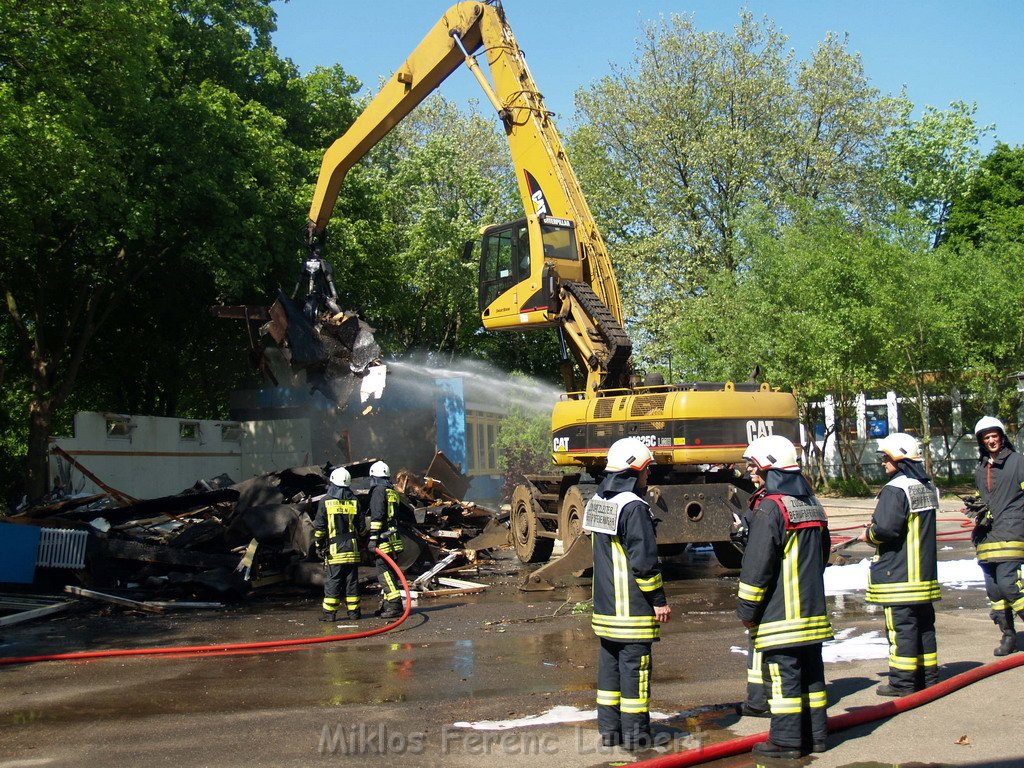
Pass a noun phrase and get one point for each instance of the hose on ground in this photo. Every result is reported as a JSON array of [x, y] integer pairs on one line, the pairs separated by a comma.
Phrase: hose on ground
[[837, 723], [228, 648]]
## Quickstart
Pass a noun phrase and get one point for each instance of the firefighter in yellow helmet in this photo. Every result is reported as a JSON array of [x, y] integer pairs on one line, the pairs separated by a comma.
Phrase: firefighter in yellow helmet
[[781, 597], [384, 536], [904, 573], [337, 527], [629, 598]]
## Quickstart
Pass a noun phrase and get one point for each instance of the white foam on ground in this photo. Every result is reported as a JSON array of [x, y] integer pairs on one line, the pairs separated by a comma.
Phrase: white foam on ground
[[847, 647], [552, 716], [954, 574]]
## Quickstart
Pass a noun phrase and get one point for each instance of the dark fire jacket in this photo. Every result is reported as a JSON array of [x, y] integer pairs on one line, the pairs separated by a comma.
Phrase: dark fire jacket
[[1000, 482], [781, 587]]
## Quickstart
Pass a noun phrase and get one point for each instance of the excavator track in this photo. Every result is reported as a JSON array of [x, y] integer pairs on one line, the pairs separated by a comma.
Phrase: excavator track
[[612, 334]]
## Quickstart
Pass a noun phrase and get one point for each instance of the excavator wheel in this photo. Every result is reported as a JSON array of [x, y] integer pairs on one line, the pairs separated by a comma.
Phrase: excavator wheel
[[530, 548], [727, 554], [570, 519]]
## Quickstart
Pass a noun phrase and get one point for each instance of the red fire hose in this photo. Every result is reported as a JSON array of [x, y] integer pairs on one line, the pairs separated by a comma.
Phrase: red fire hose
[[228, 648], [839, 722]]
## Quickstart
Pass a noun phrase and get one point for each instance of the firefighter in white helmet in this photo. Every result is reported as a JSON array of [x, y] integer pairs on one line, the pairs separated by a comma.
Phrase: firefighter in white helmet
[[781, 597], [1000, 536], [904, 572], [337, 527], [629, 598], [384, 536]]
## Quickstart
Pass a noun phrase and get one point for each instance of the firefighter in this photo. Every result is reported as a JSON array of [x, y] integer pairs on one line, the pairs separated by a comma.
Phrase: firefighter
[[1000, 538], [337, 527], [384, 536], [629, 599], [781, 598], [904, 572], [756, 704]]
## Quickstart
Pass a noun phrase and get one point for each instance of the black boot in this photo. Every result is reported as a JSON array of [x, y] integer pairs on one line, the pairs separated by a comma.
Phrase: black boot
[[392, 609], [355, 615], [1008, 642], [771, 749], [327, 616]]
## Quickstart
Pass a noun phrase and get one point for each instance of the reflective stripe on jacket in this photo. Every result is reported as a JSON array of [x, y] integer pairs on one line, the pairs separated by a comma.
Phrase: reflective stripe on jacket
[[782, 589], [627, 579], [338, 521], [904, 570], [1001, 485], [384, 517]]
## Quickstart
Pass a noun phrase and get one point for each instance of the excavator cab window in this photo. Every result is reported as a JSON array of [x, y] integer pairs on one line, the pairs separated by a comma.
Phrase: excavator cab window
[[504, 259], [559, 241]]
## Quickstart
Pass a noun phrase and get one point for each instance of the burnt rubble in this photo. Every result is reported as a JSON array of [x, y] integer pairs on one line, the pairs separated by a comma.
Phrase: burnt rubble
[[221, 540]]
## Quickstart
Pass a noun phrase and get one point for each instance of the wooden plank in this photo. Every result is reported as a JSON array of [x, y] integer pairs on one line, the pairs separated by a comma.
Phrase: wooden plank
[[35, 613], [123, 601]]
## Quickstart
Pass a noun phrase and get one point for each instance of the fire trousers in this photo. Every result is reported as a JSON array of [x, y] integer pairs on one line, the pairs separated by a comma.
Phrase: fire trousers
[[757, 697], [913, 656], [341, 579], [1004, 589], [390, 586], [624, 692], [795, 678]]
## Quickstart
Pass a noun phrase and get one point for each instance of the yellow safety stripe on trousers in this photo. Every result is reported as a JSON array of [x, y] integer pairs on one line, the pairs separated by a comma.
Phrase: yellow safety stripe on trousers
[[352, 602], [650, 584], [928, 660], [815, 699], [1010, 550], [791, 576], [620, 574], [376, 526], [608, 698], [330, 603], [750, 592], [904, 592], [998, 605], [771, 634], [391, 545], [1018, 604], [913, 548], [392, 592], [642, 703], [904, 663], [777, 703], [754, 670]]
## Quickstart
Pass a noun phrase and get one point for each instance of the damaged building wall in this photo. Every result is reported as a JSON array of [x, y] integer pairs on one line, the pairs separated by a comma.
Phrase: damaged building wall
[[151, 456]]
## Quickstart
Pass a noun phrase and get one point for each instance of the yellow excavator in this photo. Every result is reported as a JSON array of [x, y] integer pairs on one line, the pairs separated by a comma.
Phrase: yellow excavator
[[551, 269]]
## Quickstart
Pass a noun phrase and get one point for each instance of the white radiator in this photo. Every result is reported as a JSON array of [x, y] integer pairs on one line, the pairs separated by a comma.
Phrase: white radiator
[[61, 548]]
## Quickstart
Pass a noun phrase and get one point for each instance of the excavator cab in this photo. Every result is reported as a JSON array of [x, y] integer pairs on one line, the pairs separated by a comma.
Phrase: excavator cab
[[520, 265]]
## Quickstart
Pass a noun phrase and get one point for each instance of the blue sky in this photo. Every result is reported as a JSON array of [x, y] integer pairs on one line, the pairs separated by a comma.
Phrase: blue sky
[[941, 50]]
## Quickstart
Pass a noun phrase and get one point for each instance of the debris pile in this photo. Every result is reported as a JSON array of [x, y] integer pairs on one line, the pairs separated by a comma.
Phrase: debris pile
[[221, 539]]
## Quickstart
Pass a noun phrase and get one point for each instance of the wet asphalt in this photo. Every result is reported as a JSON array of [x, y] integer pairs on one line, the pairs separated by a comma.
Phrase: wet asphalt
[[395, 699]]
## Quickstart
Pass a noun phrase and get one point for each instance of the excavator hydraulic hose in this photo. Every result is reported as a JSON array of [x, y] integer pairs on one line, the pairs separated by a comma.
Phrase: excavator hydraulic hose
[[224, 649], [837, 723]]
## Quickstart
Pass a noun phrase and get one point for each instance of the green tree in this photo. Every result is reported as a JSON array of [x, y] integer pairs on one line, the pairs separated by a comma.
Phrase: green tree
[[992, 210], [523, 446], [704, 124], [146, 173], [932, 161]]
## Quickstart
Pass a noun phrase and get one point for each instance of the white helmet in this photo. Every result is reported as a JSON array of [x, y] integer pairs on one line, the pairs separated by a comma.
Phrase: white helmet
[[379, 469], [773, 452], [899, 446], [341, 476], [628, 453], [986, 423]]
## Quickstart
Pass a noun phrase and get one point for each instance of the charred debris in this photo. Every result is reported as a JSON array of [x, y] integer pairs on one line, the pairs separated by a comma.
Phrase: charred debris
[[221, 540]]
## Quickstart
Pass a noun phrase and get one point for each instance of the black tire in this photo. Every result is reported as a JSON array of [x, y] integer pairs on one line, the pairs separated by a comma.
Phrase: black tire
[[570, 519], [727, 554], [530, 548]]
